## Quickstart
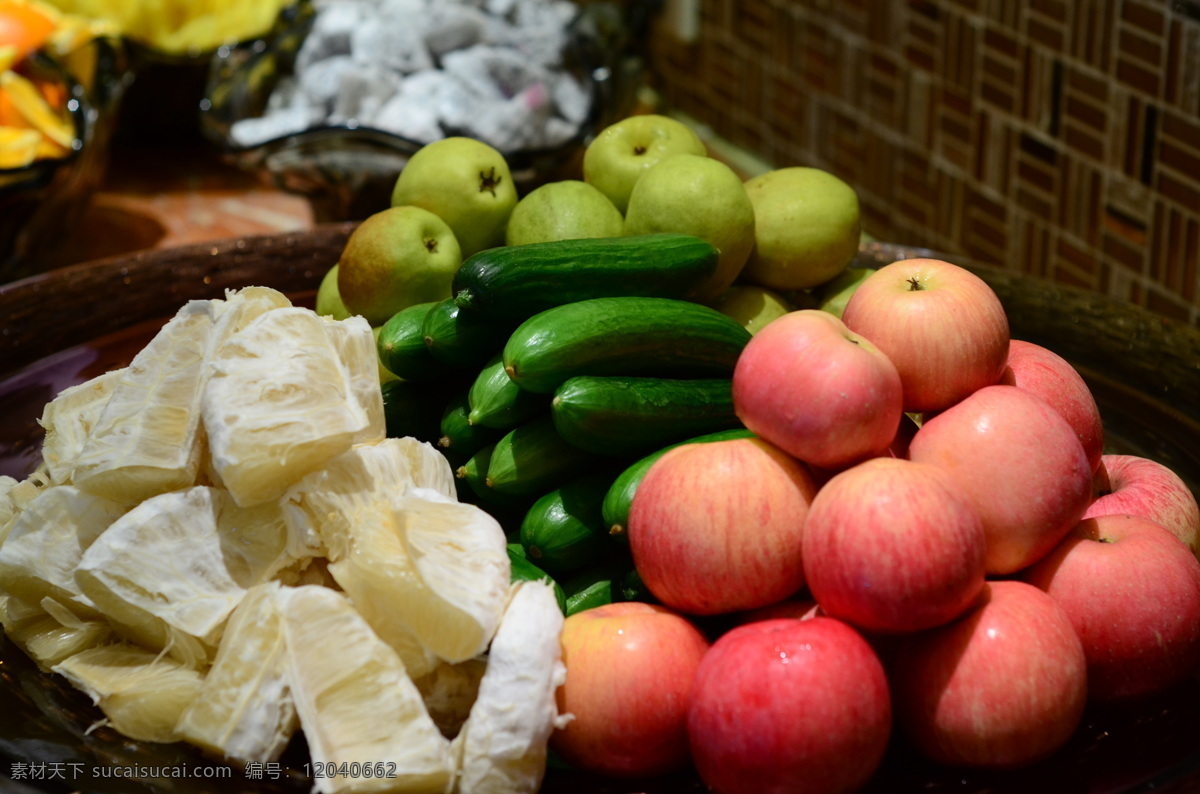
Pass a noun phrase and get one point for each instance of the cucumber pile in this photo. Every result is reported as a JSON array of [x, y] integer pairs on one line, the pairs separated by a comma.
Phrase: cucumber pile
[[553, 378]]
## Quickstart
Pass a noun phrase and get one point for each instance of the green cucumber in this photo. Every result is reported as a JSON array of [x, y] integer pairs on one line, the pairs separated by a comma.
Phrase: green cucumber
[[628, 416], [460, 339], [474, 474], [608, 580], [623, 336], [458, 437], [401, 345], [633, 588], [413, 409], [517, 282], [522, 570], [533, 459], [594, 595], [496, 401], [564, 530], [620, 496]]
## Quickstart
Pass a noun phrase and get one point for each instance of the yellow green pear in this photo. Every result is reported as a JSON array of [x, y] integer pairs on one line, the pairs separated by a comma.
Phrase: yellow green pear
[[329, 301], [807, 228], [835, 293], [753, 307], [615, 160], [690, 194], [565, 210], [395, 258], [464, 182]]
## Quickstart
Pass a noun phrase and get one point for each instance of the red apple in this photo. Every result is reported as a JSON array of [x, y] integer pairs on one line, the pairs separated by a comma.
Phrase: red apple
[[1132, 592], [1140, 487], [1021, 466], [897, 449], [630, 667], [940, 324], [1050, 376], [1002, 687], [811, 387], [716, 527], [789, 706], [891, 546]]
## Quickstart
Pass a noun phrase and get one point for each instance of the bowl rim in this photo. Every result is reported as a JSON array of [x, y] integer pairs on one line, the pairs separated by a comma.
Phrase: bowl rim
[[83, 118]]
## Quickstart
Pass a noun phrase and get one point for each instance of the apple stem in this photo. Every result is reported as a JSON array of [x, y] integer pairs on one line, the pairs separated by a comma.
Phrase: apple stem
[[914, 284]]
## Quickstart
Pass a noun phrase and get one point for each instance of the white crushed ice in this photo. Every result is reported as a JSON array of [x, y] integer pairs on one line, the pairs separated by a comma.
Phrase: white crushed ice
[[428, 69]]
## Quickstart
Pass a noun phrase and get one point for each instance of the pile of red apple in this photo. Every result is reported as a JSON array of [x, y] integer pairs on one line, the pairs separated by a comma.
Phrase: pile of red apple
[[924, 538]]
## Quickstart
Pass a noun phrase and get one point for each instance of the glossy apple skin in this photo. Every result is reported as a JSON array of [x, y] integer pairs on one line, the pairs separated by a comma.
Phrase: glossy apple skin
[[629, 680], [717, 527], [1000, 688], [823, 394], [1021, 466], [1050, 376], [1138, 486], [1132, 591], [893, 546], [789, 706], [940, 324]]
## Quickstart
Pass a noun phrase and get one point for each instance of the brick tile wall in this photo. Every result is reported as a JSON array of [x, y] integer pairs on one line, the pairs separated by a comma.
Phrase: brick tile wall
[[1055, 137]]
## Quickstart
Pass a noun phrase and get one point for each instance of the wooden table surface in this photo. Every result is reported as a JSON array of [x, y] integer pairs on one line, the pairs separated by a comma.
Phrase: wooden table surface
[[155, 198]]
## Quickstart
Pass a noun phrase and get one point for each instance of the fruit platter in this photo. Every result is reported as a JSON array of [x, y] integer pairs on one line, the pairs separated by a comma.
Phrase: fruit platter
[[606, 488]]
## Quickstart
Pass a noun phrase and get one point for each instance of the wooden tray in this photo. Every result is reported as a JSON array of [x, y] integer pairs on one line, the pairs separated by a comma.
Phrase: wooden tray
[[65, 326]]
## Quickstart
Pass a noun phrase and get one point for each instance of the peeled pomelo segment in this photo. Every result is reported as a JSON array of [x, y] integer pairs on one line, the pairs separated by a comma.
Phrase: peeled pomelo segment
[[141, 693], [45, 637], [354, 341], [244, 710], [278, 405], [147, 438], [356, 703], [502, 745], [68, 420], [160, 573], [319, 508], [460, 554], [48, 539], [254, 540], [428, 568], [241, 307], [377, 576], [16, 495]]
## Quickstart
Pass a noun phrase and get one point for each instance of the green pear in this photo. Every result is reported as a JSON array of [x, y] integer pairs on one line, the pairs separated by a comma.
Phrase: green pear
[[690, 194], [621, 153], [464, 182], [835, 294], [753, 307], [807, 228], [394, 259], [566, 210], [329, 301]]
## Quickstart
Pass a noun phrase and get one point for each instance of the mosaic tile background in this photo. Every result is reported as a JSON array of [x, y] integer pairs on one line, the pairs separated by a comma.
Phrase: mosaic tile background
[[1056, 137]]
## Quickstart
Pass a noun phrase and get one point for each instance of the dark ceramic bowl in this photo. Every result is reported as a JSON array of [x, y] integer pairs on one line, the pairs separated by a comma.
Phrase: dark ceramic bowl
[[347, 171], [62, 327], [41, 203]]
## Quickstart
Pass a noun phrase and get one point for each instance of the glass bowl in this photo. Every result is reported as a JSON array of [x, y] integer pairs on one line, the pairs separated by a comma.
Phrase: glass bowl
[[347, 170], [41, 203]]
